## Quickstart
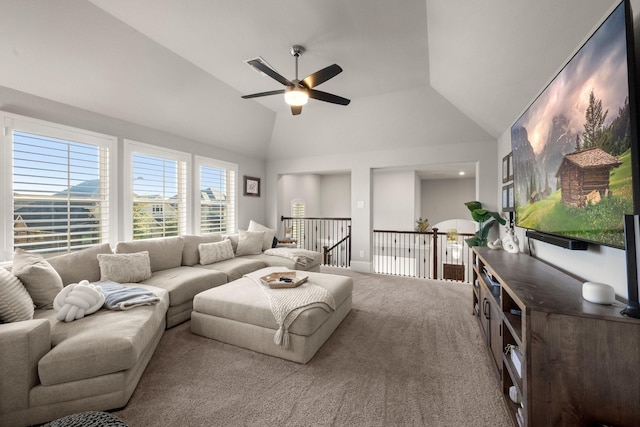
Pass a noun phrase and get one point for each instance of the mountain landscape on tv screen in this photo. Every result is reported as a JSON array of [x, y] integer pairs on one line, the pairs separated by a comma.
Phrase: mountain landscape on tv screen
[[572, 146]]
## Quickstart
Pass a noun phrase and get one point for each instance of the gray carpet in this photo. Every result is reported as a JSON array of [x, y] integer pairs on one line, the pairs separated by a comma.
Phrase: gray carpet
[[409, 353]]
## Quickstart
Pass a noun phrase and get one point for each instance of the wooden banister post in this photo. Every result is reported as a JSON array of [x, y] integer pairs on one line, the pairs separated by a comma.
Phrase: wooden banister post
[[325, 255], [435, 252], [349, 246]]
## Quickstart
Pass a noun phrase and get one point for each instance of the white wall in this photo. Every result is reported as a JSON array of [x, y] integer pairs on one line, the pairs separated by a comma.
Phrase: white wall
[[394, 200], [444, 199], [417, 197], [305, 187], [361, 165], [335, 196], [32, 106]]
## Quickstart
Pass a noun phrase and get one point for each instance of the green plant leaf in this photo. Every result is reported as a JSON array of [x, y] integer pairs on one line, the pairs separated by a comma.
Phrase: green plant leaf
[[498, 217], [473, 205], [480, 215], [473, 241], [484, 231]]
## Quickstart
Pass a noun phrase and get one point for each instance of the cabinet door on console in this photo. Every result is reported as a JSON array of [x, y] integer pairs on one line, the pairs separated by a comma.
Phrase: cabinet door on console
[[495, 323]]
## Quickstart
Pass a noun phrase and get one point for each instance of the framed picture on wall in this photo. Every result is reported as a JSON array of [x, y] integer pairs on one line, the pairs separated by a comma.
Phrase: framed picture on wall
[[507, 198], [507, 168], [251, 186]]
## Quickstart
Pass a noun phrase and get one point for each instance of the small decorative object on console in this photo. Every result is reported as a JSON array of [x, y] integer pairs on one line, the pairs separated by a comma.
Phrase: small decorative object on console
[[514, 395], [598, 293], [510, 242], [516, 357]]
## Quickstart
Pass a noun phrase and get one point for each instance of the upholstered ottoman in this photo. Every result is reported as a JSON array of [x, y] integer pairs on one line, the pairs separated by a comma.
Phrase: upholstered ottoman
[[240, 313]]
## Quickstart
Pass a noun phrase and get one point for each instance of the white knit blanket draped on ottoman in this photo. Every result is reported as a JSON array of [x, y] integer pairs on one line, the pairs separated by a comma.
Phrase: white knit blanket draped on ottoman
[[288, 303]]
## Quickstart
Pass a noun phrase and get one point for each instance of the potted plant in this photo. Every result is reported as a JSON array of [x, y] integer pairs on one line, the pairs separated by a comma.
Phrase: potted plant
[[485, 219], [422, 225]]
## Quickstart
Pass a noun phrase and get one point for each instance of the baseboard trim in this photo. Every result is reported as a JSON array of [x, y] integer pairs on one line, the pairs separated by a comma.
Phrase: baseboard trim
[[361, 266]]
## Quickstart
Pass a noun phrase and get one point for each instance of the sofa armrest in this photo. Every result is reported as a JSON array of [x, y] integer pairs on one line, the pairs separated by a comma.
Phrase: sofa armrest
[[22, 345]]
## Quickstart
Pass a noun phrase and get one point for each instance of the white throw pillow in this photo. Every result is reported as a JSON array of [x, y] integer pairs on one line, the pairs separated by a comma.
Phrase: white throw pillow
[[41, 280], [15, 302], [250, 243], [214, 252], [269, 234], [125, 268]]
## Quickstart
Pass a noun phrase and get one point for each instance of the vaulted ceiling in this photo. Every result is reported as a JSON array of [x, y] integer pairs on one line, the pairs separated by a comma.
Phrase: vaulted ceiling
[[458, 70]]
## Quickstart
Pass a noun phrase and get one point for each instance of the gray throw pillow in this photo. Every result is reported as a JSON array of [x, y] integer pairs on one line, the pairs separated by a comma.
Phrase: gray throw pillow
[[250, 243], [41, 280], [269, 234]]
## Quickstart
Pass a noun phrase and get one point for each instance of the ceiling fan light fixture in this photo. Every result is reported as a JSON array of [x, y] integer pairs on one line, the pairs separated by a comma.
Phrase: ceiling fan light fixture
[[296, 96]]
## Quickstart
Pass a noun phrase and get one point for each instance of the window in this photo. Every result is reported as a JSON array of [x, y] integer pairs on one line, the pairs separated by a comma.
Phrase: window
[[297, 211], [157, 202], [59, 184], [216, 196]]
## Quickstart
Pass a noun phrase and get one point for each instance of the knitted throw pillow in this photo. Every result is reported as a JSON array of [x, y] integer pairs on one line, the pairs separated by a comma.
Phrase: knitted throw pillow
[[125, 268], [214, 252]]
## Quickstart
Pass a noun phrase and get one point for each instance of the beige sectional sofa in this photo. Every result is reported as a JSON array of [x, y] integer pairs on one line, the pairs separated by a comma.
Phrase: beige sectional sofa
[[51, 368]]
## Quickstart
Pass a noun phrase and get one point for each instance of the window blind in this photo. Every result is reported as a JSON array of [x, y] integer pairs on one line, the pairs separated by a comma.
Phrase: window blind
[[217, 199], [60, 193], [159, 196], [297, 211]]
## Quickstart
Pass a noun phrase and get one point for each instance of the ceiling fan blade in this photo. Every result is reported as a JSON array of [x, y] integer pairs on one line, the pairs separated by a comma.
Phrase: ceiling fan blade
[[257, 95], [328, 97], [296, 109], [269, 72], [322, 76]]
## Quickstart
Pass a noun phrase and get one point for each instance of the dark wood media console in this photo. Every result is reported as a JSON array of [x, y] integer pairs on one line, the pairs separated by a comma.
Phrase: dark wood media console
[[580, 361]]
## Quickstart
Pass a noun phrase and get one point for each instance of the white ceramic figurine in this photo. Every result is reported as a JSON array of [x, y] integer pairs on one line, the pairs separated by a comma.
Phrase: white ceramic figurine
[[510, 242]]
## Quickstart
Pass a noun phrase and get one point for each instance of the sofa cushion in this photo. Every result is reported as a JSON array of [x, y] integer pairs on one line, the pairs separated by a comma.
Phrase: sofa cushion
[[125, 268], [164, 252], [249, 243], [190, 253], [42, 282], [269, 234], [234, 268], [15, 302], [215, 252], [107, 341], [81, 265], [277, 261], [183, 283]]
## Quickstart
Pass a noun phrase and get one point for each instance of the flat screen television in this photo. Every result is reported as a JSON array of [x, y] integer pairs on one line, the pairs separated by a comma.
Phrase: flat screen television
[[575, 148]]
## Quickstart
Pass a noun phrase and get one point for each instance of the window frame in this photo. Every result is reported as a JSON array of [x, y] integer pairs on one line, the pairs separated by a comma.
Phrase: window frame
[[11, 122], [135, 147]]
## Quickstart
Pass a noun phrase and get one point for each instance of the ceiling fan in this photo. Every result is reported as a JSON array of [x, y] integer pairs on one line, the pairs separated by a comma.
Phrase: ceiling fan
[[297, 92]]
